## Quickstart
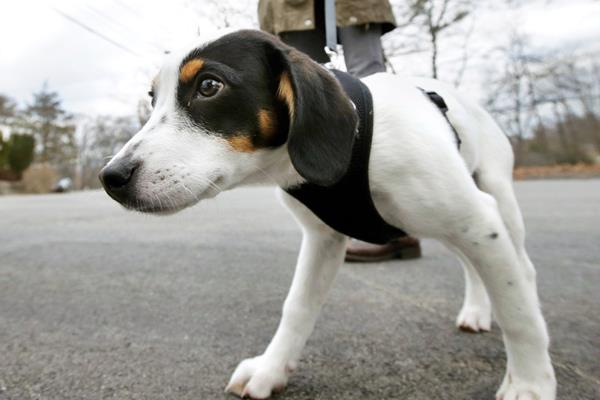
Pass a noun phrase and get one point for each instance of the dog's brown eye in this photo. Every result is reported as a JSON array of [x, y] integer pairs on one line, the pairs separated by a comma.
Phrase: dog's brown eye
[[209, 87]]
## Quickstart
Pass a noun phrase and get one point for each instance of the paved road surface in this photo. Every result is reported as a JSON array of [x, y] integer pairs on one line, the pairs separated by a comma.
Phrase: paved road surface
[[98, 303]]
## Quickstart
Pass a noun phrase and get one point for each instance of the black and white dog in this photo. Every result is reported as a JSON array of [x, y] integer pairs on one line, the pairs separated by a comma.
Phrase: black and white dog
[[246, 108]]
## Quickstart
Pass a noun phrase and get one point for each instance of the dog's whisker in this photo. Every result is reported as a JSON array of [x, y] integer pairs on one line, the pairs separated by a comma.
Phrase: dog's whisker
[[190, 191], [170, 199], [212, 184], [265, 173], [207, 181], [153, 201], [159, 201]]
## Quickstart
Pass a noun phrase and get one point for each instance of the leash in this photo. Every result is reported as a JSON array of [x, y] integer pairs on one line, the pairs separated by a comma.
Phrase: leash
[[330, 27], [331, 41]]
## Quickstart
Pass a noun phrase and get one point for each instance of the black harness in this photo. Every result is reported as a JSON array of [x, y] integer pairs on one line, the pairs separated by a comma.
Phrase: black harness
[[347, 205], [441, 104]]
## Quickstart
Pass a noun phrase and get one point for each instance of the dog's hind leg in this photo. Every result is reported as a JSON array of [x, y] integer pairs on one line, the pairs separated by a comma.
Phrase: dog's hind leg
[[498, 183], [489, 246], [476, 312], [321, 255], [500, 186], [493, 175]]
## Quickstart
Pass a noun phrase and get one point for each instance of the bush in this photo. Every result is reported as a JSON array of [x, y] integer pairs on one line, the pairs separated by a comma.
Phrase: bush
[[3, 152], [20, 155], [16, 154], [39, 178]]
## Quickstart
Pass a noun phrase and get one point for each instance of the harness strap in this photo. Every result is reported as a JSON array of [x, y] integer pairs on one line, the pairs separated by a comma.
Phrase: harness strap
[[443, 107], [347, 205]]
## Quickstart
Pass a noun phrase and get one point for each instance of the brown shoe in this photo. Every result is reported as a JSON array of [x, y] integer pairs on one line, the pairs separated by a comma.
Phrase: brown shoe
[[403, 248]]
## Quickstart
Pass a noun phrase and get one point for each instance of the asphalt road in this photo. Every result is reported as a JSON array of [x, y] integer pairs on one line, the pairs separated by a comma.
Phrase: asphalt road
[[99, 303]]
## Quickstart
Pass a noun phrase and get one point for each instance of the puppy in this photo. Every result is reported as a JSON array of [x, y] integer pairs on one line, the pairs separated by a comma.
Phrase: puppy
[[246, 108]]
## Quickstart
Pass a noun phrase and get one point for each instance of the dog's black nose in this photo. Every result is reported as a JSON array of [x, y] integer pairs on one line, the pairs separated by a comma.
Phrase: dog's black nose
[[117, 178]]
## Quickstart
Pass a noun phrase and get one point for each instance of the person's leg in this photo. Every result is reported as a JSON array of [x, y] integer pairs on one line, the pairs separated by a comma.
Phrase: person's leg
[[362, 49], [311, 42]]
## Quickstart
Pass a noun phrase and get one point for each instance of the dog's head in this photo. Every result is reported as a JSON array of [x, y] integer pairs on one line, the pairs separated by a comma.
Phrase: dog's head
[[226, 113]]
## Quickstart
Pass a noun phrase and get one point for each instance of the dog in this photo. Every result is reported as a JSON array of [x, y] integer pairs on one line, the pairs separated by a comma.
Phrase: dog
[[248, 109]]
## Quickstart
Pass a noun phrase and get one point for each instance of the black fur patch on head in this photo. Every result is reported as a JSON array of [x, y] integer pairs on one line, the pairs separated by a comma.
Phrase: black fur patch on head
[[271, 94], [245, 111]]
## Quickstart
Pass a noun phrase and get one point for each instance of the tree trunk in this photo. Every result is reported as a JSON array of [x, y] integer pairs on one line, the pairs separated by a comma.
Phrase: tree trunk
[[562, 134], [434, 55]]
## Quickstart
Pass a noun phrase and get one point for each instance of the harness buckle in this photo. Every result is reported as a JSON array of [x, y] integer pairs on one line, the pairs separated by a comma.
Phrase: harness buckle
[[335, 61]]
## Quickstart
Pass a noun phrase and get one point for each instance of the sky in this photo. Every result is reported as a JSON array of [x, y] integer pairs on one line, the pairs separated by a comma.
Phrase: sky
[[109, 71]]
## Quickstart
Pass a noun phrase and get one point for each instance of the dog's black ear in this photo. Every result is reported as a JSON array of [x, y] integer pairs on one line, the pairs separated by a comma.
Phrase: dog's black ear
[[322, 118]]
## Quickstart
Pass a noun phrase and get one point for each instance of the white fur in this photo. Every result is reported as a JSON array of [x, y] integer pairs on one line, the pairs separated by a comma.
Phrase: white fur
[[419, 182]]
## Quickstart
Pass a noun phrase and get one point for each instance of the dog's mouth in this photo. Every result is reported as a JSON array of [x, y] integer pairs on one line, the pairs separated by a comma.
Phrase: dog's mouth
[[156, 209], [173, 200]]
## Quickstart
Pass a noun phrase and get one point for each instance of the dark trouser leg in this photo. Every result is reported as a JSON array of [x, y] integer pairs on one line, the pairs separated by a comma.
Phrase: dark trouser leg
[[311, 42], [362, 49]]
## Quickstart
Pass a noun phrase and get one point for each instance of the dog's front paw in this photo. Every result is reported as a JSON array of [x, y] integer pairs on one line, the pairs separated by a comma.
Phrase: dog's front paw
[[257, 378], [514, 389], [474, 319]]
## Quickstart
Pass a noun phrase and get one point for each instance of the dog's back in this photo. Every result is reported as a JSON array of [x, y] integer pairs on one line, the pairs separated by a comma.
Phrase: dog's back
[[483, 142]]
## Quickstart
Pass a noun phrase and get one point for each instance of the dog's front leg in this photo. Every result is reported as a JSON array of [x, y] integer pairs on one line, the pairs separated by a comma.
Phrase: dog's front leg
[[321, 256]]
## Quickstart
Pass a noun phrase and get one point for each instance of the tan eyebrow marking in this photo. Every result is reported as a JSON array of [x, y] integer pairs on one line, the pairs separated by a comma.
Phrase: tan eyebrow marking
[[285, 92], [241, 143], [190, 69], [267, 123]]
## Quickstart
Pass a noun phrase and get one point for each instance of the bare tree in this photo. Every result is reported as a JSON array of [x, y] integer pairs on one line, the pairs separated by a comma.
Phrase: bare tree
[[435, 19], [8, 107], [219, 14], [434, 27], [549, 104], [512, 96]]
